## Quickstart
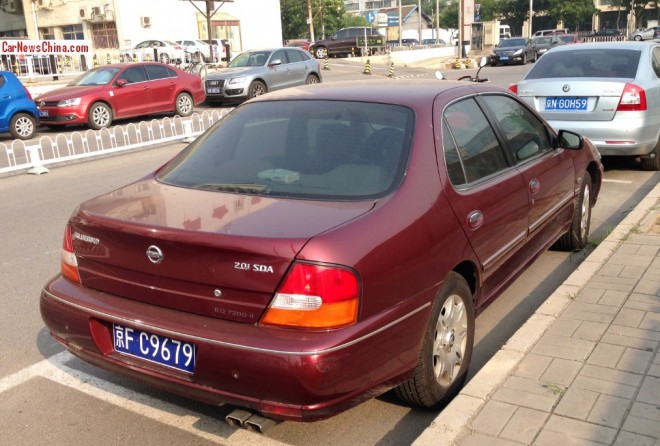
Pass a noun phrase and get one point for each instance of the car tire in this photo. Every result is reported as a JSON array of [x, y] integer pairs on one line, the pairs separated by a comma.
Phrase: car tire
[[257, 88], [321, 52], [164, 58], [312, 79], [524, 59], [652, 162], [446, 350], [183, 106], [577, 236], [22, 126], [99, 116], [638, 38]]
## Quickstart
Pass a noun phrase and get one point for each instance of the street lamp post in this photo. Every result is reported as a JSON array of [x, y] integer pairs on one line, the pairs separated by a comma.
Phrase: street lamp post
[[531, 12]]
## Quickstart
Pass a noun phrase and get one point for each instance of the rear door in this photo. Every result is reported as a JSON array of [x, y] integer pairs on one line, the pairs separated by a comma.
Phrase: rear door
[[487, 193], [298, 67], [162, 82]]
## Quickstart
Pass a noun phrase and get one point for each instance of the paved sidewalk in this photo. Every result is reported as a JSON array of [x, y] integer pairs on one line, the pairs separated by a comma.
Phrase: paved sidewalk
[[585, 368]]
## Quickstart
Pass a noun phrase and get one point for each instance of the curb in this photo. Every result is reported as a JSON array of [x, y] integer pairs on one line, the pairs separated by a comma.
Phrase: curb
[[448, 425]]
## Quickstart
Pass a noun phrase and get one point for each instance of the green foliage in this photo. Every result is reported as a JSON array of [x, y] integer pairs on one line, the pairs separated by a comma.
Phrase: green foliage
[[327, 14], [571, 12]]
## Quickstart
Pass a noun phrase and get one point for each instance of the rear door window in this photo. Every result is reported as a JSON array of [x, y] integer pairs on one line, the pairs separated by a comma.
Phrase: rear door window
[[476, 146]]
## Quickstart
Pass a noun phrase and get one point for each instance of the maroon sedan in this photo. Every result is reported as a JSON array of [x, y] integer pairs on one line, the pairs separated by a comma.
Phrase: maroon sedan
[[118, 91], [321, 245]]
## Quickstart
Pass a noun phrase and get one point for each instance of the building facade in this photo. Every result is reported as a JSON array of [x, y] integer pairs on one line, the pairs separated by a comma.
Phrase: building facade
[[123, 23]]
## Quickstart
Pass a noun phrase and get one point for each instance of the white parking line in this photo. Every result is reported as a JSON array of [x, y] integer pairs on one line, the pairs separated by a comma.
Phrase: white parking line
[[617, 181], [208, 428]]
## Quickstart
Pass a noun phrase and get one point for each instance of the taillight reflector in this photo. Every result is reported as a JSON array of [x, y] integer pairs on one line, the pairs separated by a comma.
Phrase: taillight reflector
[[69, 261], [513, 88], [315, 296], [633, 98]]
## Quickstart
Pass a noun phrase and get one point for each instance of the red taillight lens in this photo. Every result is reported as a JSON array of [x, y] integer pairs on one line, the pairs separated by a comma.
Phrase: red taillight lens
[[633, 98], [315, 296], [513, 88], [69, 260]]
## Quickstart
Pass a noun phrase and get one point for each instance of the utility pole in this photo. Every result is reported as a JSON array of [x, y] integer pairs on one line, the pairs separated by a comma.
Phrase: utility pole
[[310, 20]]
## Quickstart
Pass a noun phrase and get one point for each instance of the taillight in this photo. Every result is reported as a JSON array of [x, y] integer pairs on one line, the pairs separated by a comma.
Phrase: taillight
[[513, 88], [315, 296], [633, 98], [69, 261]]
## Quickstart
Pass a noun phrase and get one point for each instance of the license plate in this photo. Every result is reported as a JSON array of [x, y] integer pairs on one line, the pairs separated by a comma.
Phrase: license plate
[[504, 57], [43, 113], [162, 350], [569, 103], [213, 90]]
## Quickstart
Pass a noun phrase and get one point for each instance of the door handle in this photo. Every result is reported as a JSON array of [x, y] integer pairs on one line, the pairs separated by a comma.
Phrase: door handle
[[475, 219]]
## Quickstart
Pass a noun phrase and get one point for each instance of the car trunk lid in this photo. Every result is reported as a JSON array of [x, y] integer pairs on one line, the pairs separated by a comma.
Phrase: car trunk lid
[[210, 253]]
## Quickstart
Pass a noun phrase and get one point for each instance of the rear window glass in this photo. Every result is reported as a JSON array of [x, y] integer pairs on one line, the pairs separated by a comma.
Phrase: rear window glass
[[604, 62], [323, 150]]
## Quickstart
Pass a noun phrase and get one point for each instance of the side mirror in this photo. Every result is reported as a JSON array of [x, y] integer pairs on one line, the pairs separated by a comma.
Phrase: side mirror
[[483, 61], [569, 140], [438, 75], [275, 62], [121, 82]]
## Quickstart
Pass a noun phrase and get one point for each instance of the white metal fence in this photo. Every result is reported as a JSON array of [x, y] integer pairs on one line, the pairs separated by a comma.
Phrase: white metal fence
[[34, 157]]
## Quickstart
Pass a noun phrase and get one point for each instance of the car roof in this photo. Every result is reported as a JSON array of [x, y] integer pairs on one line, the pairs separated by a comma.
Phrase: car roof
[[409, 92], [623, 45]]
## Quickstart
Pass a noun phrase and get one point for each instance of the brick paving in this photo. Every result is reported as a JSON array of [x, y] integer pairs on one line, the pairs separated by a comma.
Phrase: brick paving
[[585, 369]]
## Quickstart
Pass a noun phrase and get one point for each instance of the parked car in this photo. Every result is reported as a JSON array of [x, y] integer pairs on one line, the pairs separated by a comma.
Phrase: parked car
[[542, 44], [550, 32], [256, 72], [567, 39], [118, 91], [344, 42], [606, 33], [607, 91], [18, 113], [646, 34], [517, 50], [200, 50], [299, 43], [247, 270], [434, 42], [165, 51], [404, 42], [225, 53]]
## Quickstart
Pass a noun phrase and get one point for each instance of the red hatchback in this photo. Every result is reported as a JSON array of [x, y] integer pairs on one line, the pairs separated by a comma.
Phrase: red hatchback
[[321, 245], [118, 91]]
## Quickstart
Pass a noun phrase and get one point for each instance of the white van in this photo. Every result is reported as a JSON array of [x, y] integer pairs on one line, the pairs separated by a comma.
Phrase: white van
[[505, 32]]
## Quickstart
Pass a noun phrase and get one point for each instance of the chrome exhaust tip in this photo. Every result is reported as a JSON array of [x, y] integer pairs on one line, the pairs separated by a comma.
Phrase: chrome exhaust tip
[[259, 424], [238, 418]]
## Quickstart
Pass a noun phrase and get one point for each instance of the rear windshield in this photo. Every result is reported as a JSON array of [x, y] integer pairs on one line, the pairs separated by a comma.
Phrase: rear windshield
[[604, 62], [320, 150]]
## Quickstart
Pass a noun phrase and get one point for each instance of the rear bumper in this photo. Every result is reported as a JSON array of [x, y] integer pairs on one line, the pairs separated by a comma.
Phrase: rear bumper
[[634, 136], [284, 374]]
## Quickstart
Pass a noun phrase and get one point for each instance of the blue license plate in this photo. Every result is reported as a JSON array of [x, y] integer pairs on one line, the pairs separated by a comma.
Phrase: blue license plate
[[567, 103], [162, 350], [213, 90], [504, 58], [43, 113]]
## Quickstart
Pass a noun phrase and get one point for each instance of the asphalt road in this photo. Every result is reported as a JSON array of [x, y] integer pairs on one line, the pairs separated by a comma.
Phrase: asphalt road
[[49, 397]]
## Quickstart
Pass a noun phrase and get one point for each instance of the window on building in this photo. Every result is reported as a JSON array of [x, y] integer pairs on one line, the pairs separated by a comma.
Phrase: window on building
[[47, 33], [73, 32], [104, 35]]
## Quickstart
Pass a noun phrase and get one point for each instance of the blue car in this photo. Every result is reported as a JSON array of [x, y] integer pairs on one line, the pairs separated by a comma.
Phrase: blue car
[[18, 112]]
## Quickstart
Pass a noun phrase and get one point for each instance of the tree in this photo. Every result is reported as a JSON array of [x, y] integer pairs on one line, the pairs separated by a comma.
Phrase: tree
[[328, 16], [571, 12]]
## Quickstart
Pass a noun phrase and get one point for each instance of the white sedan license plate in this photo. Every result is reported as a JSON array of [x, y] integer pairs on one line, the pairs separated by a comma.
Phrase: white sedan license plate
[[213, 90], [572, 103], [162, 350]]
